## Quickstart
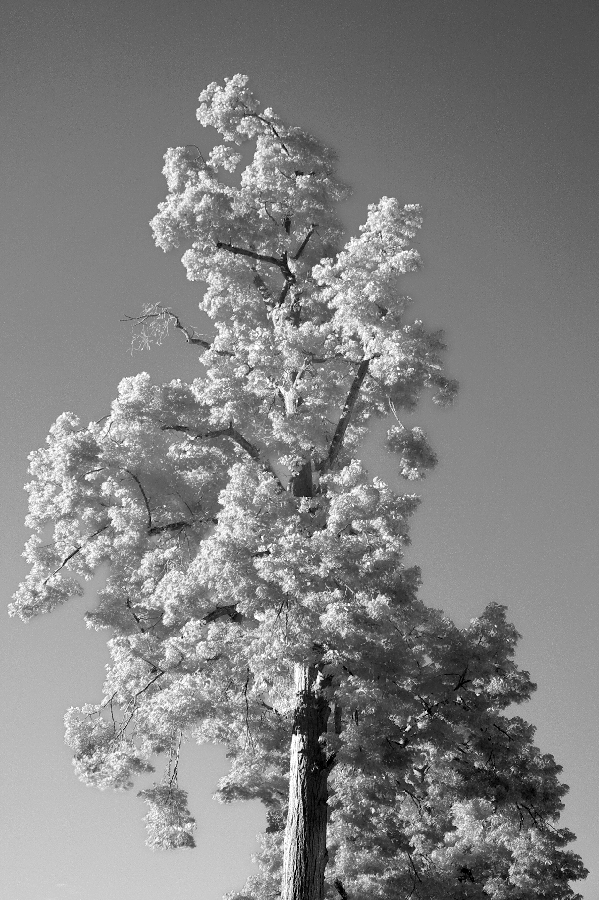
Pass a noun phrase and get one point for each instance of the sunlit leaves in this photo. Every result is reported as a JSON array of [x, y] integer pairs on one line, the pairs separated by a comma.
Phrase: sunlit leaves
[[168, 821], [240, 535]]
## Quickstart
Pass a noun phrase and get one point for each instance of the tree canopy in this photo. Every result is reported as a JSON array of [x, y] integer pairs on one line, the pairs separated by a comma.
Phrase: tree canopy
[[248, 547]]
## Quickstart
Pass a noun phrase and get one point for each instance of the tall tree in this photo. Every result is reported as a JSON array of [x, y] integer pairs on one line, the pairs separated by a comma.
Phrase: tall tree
[[257, 594]]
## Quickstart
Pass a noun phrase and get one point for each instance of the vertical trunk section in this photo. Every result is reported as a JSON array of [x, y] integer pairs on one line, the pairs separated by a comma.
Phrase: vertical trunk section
[[301, 482], [305, 851]]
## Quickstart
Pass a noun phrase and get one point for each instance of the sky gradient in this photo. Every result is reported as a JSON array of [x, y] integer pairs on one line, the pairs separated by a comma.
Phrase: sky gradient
[[486, 114]]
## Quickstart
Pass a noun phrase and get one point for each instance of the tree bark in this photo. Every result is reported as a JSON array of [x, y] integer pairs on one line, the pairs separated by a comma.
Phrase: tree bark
[[301, 482], [305, 850]]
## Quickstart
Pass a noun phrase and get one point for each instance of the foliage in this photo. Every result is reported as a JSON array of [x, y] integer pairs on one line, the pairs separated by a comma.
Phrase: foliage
[[243, 535]]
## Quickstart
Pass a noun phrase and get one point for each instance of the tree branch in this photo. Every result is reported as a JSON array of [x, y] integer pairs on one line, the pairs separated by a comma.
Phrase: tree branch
[[188, 333], [346, 414], [163, 312], [170, 526], [304, 242], [261, 285], [144, 495], [74, 553], [253, 115], [284, 292], [220, 611], [231, 432], [340, 889], [241, 251]]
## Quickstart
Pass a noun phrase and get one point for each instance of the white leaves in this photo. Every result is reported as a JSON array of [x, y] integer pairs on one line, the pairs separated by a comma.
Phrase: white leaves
[[223, 157], [221, 578], [229, 109], [416, 454], [169, 824], [33, 598], [103, 757]]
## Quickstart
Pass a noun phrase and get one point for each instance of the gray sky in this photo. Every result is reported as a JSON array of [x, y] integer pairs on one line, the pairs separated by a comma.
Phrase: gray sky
[[486, 113]]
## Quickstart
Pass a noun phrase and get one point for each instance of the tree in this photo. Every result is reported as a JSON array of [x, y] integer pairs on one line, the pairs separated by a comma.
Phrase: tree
[[257, 594]]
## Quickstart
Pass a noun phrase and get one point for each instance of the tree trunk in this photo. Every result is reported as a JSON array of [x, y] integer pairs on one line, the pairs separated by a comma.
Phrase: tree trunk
[[305, 851]]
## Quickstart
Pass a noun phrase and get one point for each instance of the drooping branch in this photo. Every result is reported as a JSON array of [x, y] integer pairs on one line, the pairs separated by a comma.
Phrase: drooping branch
[[346, 414]]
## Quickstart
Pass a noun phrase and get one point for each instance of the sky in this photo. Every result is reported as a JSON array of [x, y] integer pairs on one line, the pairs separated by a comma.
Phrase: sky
[[483, 112]]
